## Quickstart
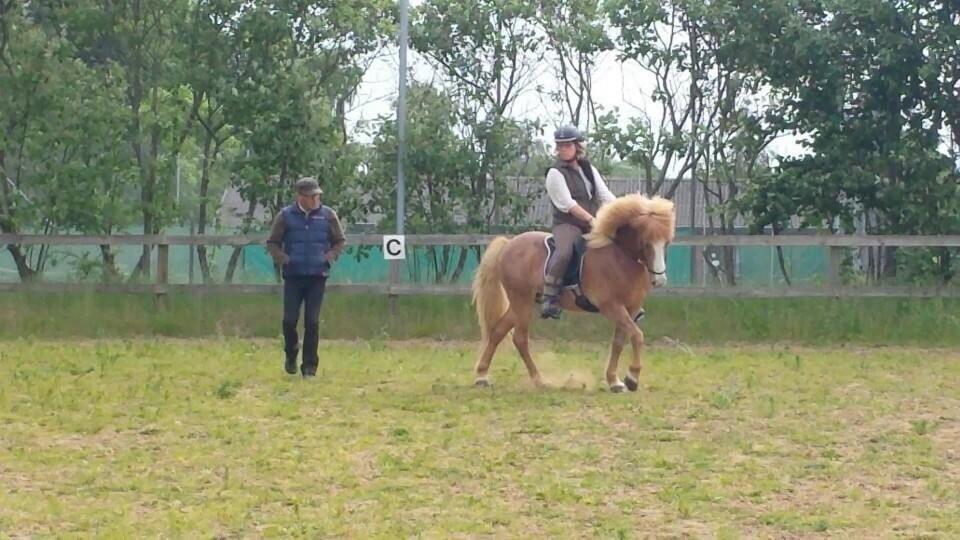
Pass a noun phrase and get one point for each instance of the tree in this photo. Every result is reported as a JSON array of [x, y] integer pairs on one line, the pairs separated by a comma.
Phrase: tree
[[295, 66], [439, 166], [139, 38], [711, 125], [866, 82], [487, 53], [576, 37], [64, 171]]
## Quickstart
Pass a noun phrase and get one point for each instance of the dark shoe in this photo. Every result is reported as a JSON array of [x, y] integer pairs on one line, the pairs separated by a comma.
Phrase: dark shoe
[[551, 307], [309, 375], [290, 365]]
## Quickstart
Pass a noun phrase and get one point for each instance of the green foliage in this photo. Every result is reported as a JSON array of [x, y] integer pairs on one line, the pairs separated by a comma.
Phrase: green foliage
[[103, 102], [440, 165], [292, 80], [487, 52], [867, 81]]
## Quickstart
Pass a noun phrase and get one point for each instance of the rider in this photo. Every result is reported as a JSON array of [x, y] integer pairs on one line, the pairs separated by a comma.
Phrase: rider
[[576, 191]]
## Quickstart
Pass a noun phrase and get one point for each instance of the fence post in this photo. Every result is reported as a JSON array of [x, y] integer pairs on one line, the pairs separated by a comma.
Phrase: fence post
[[163, 273], [391, 286], [835, 261]]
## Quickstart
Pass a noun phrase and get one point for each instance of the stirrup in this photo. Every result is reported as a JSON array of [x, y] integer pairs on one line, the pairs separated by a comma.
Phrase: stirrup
[[551, 308]]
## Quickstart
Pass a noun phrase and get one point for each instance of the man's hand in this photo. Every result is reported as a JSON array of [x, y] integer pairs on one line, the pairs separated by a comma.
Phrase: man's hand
[[283, 259], [330, 257]]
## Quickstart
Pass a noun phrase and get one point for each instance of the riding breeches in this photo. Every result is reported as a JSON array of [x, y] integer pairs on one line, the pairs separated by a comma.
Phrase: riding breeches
[[564, 236]]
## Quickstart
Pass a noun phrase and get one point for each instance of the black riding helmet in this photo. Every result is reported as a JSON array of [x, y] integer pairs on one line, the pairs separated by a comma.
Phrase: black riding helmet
[[567, 133]]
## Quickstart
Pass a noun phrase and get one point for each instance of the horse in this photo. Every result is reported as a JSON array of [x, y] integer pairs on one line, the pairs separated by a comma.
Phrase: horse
[[624, 259]]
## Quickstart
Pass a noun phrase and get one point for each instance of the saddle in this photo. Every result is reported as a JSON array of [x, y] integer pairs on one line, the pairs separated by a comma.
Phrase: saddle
[[571, 278]]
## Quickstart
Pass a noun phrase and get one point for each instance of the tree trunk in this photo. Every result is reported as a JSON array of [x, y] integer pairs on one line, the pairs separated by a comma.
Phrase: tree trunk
[[730, 264], [889, 259], [237, 250], [461, 262], [7, 225], [202, 214], [648, 181], [783, 265], [946, 265], [780, 259], [26, 273], [110, 270]]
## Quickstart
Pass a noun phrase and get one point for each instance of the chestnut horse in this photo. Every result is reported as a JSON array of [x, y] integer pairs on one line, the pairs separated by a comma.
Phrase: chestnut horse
[[624, 259]]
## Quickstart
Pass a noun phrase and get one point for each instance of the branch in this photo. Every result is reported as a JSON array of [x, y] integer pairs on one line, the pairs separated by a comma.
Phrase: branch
[[457, 75], [4, 35]]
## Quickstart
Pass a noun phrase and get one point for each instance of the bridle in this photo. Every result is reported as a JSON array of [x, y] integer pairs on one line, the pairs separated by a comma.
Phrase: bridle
[[640, 260], [651, 270]]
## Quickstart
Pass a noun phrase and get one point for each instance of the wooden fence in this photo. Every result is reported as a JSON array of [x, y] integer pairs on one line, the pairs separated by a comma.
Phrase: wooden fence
[[161, 286]]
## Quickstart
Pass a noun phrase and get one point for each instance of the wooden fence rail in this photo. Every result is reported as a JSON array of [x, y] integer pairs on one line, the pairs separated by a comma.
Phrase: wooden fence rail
[[482, 240], [836, 244]]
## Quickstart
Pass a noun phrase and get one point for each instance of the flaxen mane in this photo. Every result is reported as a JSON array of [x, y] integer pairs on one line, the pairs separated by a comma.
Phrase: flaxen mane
[[654, 216]]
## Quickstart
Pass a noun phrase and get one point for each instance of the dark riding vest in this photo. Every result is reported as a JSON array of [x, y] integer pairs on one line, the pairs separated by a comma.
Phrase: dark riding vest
[[578, 190], [306, 240]]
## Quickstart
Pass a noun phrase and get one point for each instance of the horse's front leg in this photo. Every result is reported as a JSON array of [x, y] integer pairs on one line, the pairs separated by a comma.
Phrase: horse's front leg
[[626, 328], [616, 347], [632, 380]]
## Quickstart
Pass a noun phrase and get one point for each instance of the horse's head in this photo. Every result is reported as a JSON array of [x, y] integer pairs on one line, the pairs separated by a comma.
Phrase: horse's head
[[652, 233], [641, 226]]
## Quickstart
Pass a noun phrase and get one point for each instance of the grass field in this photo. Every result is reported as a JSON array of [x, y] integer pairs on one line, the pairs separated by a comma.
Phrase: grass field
[[922, 322], [208, 438]]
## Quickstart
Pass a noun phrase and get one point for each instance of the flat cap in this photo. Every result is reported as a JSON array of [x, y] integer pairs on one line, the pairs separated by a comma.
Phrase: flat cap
[[308, 185]]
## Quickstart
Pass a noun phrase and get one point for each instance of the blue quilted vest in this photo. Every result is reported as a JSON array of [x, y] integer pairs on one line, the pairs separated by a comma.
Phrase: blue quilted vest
[[306, 240]]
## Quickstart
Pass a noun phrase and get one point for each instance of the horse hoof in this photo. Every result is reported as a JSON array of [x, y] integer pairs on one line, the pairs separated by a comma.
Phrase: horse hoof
[[617, 387], [632, 384], [482, 383]]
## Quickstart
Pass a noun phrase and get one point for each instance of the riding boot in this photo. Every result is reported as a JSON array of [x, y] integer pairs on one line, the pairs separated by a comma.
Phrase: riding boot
[[551, 300]]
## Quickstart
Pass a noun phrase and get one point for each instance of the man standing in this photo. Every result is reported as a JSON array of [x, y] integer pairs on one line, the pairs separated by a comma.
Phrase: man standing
[[305, 239]]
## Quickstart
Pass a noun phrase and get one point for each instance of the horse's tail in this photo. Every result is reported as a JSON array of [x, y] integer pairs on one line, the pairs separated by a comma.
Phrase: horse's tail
[[489, 297]]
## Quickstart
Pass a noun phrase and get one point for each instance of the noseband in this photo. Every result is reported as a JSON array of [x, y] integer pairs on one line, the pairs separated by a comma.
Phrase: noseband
[[650, 270]]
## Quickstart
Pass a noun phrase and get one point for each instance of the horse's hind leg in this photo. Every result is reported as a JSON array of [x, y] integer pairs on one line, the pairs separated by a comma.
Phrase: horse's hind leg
[[494, 338], [521, 340]]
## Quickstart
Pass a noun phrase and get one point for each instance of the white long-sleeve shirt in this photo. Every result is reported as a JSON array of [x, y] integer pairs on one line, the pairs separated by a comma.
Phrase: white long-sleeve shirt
[[560, 194]]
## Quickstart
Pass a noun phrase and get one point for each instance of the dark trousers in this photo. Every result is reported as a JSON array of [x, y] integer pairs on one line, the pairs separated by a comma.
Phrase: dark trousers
[[565, 236], [307, 291]]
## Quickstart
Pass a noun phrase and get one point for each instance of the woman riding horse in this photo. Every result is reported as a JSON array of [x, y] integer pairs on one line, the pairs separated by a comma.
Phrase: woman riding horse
[[625, 258], [576, 192]]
